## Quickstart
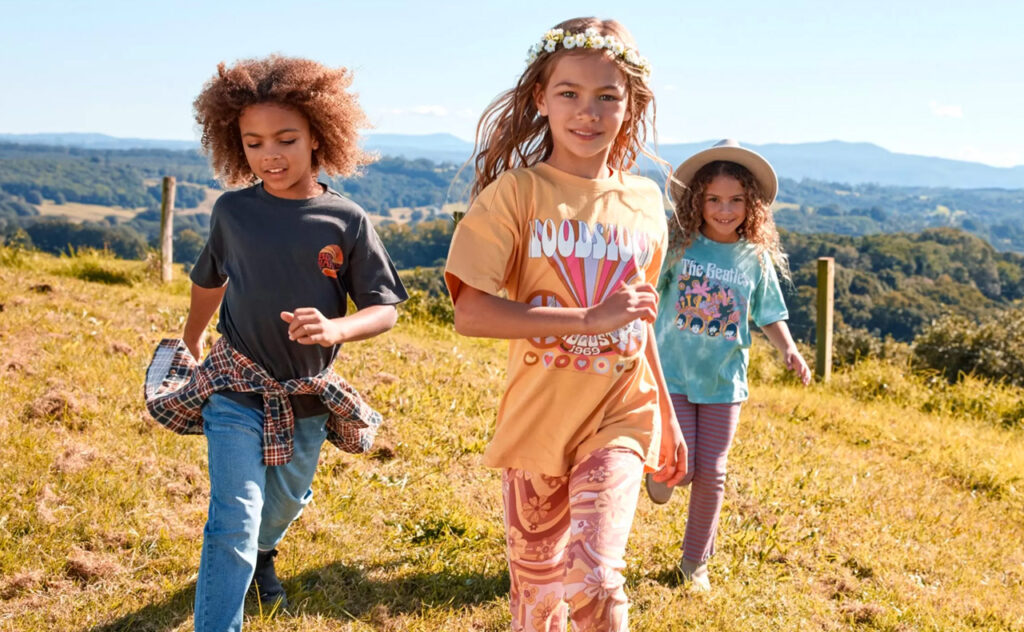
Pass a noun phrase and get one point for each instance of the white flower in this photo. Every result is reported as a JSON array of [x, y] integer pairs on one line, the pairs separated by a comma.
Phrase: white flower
[[613, 44], [590, 38]]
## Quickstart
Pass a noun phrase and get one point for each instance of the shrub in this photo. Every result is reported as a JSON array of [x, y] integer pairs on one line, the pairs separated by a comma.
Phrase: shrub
[[875, 379], [955, 346], [100, 267], [852, 345], [423, 306], [429, 280], [975, 397]]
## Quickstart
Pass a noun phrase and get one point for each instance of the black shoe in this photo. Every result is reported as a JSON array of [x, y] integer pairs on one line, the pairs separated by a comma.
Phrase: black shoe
[[265, 583]]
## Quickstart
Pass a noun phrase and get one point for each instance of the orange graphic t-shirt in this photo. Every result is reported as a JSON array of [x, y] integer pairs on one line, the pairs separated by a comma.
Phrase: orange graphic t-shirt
[[547, 237]]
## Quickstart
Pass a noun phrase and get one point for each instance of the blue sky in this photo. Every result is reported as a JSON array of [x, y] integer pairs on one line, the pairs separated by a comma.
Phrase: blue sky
[[933, 78]]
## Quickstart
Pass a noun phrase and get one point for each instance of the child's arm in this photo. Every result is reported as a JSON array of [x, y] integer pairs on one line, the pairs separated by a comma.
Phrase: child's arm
[[778, 334], [481, 314], [307, 326], [673, 447], [203, 305]]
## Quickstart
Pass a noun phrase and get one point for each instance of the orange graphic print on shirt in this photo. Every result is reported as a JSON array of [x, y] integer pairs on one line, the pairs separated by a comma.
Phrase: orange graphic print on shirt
[[329, 260], [591, 262]]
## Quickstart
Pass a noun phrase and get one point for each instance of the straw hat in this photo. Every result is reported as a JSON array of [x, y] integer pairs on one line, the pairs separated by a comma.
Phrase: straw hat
[[731, 151]]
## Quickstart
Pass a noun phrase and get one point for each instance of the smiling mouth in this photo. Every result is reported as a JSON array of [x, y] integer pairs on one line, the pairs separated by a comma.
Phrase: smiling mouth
[[276, 171], [584, 134]]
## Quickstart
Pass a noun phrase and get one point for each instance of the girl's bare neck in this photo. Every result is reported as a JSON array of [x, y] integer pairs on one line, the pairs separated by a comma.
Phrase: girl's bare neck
[[590, 169]]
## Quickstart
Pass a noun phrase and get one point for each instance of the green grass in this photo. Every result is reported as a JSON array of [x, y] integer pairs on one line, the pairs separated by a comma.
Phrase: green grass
[[880, 501]]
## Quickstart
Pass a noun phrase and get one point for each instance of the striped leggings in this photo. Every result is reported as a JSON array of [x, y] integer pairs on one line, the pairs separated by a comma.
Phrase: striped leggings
[[708, 430], [566, 538]]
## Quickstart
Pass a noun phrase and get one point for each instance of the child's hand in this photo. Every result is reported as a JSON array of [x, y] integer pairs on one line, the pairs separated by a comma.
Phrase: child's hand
[[673, 454], [622, 307], [195, 347], [307, 326], [795, 362]]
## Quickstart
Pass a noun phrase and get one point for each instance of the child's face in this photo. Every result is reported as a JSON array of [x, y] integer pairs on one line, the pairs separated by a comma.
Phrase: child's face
[[279, 148], [585, 101], [725, 208]]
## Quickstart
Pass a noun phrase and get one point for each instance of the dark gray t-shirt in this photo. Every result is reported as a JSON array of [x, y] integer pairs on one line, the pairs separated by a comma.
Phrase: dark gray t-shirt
[[279, 255]]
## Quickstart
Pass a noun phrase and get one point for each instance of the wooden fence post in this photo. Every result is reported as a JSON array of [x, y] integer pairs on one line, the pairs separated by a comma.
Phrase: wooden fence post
[[826, 305], [167, 229]]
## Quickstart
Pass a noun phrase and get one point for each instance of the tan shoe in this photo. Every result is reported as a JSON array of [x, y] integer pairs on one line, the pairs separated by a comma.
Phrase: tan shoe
[[696, 574], [660, 493]]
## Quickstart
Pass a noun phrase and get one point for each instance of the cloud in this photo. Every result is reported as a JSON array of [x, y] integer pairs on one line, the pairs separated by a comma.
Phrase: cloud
[[946, 111]]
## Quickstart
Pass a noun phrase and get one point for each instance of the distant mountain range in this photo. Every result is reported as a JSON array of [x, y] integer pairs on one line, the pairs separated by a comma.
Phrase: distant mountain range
[[834, 161], [96, 141]]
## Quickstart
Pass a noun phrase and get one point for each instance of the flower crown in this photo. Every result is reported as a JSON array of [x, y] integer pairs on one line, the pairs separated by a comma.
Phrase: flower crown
[[590, 38]]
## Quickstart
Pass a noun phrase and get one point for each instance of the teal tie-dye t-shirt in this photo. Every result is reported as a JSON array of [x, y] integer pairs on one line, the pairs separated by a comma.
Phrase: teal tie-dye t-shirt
[[707, 299]]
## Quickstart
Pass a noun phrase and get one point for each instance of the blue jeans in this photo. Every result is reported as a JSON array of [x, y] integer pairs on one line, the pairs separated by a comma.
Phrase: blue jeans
[[251, 504]]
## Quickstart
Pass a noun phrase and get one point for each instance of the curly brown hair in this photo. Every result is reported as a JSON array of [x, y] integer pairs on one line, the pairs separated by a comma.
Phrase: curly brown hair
[[512, 133], [758, 227], [318, 92]]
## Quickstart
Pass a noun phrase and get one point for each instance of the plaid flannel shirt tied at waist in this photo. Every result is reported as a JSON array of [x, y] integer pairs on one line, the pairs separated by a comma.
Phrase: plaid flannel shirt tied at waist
[[177, 387]]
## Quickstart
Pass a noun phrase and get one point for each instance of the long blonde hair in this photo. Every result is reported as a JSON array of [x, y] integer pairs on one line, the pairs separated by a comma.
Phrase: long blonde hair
[[758, 227], [512, 133]]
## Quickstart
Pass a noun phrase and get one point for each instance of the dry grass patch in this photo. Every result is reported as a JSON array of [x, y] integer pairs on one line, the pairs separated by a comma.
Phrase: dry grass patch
[[848, 506]]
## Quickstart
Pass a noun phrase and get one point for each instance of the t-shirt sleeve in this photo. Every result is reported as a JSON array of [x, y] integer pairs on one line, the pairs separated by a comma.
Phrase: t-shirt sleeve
[[209, 270], [484, 246], [371, 278], [769, 306]]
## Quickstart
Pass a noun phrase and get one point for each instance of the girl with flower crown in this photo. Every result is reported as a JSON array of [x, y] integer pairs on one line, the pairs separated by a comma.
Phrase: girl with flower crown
[[559, 253]]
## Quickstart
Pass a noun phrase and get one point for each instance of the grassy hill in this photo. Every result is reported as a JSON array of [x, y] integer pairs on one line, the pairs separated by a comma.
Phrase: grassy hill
[[884, 500]]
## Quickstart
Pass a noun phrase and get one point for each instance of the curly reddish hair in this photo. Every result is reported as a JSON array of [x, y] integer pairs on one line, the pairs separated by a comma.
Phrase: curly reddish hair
[[316, 91], [758, 227]]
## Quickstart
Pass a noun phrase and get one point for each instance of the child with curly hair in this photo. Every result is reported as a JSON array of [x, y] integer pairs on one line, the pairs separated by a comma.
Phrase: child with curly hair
[[722, 254], [559, 252], [283, 256]]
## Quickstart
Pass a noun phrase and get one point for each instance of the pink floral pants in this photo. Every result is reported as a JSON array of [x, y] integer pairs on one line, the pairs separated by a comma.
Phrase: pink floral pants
[[566, 538]]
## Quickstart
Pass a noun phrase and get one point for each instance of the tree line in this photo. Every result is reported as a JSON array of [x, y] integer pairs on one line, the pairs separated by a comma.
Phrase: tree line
[[810, 206], [896, 284], [887, 283]]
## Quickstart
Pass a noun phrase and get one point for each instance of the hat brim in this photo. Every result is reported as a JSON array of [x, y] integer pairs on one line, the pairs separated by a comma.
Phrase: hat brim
[[753, 161]]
